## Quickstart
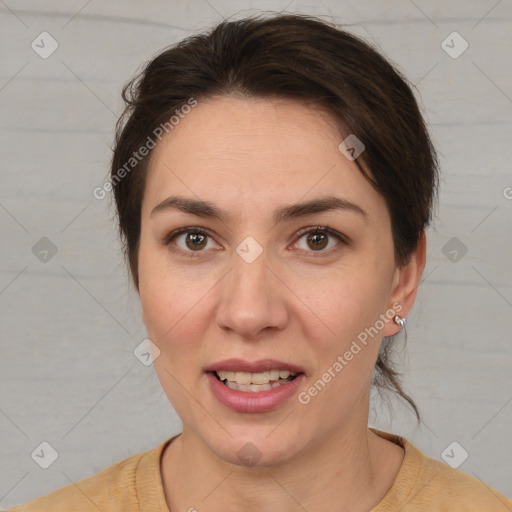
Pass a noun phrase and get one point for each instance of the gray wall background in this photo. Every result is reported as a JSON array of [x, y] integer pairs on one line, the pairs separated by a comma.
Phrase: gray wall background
[[69, 319]]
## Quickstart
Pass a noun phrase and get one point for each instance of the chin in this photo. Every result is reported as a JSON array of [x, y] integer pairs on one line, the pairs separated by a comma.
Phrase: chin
[[258, 450]]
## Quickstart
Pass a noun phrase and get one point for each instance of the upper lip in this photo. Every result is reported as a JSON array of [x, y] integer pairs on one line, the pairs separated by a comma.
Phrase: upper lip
[[262, 365]]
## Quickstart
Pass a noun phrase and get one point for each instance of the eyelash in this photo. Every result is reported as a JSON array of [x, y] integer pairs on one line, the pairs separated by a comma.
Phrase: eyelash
[[200, 231]]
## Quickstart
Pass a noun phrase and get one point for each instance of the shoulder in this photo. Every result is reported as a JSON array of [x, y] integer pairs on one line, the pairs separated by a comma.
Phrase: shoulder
[[425, 484], [112, 489], [455, 490]]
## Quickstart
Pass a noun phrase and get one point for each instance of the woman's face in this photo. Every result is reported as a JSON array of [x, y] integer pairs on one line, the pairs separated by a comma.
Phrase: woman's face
[[256, 286]]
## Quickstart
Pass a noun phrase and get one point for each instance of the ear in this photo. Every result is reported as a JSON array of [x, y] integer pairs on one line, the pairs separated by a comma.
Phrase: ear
[[405, 285]]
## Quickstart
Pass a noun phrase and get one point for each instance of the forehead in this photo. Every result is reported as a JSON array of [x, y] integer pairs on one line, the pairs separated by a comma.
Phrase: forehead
[[257, 150], [231, 127], [228, 124]]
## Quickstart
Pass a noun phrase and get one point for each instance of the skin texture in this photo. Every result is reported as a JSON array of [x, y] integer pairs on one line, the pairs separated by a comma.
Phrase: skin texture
[[296, 303]]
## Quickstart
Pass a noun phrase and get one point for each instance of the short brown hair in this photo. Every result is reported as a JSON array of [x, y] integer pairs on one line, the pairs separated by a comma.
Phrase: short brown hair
[[300, 57]]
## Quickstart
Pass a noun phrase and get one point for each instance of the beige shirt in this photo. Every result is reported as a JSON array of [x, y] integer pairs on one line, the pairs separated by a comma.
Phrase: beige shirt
[[134, 484]]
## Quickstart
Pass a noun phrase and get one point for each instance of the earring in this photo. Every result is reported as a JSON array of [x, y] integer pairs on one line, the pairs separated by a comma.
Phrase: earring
[[399, 320]]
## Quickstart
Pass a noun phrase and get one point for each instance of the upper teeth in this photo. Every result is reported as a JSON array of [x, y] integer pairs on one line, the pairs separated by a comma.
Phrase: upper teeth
[[254, 378]]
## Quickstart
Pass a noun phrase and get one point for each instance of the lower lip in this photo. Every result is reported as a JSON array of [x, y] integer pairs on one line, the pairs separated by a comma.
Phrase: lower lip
[[259, 401]]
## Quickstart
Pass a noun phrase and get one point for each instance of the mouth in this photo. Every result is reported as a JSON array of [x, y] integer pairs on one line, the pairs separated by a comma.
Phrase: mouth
[[254, 386], [255, 382]]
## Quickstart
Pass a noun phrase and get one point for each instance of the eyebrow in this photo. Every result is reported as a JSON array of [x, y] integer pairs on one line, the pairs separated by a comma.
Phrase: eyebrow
[[297, 210]]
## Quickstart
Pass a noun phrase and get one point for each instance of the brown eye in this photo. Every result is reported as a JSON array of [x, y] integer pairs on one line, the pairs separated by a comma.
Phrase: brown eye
[[195, 240], [317, 239]]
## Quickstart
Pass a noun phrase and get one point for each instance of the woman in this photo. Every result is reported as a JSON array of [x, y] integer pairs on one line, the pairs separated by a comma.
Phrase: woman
[[274, 179]]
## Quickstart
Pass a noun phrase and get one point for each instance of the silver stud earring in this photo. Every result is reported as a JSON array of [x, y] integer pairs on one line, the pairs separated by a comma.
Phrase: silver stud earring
[[399, 320]]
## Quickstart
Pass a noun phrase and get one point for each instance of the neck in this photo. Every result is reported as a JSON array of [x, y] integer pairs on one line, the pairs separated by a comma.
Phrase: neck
[[351, 469]]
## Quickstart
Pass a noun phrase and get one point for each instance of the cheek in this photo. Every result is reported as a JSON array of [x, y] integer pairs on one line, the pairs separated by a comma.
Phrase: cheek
[[173, 303], [171, 312], [350, 303], [161, 304], [166, 310], [346, 300], [345, 359]]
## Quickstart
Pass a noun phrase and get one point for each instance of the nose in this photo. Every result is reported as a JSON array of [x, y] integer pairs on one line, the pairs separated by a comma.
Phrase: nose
[[253, 298]]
